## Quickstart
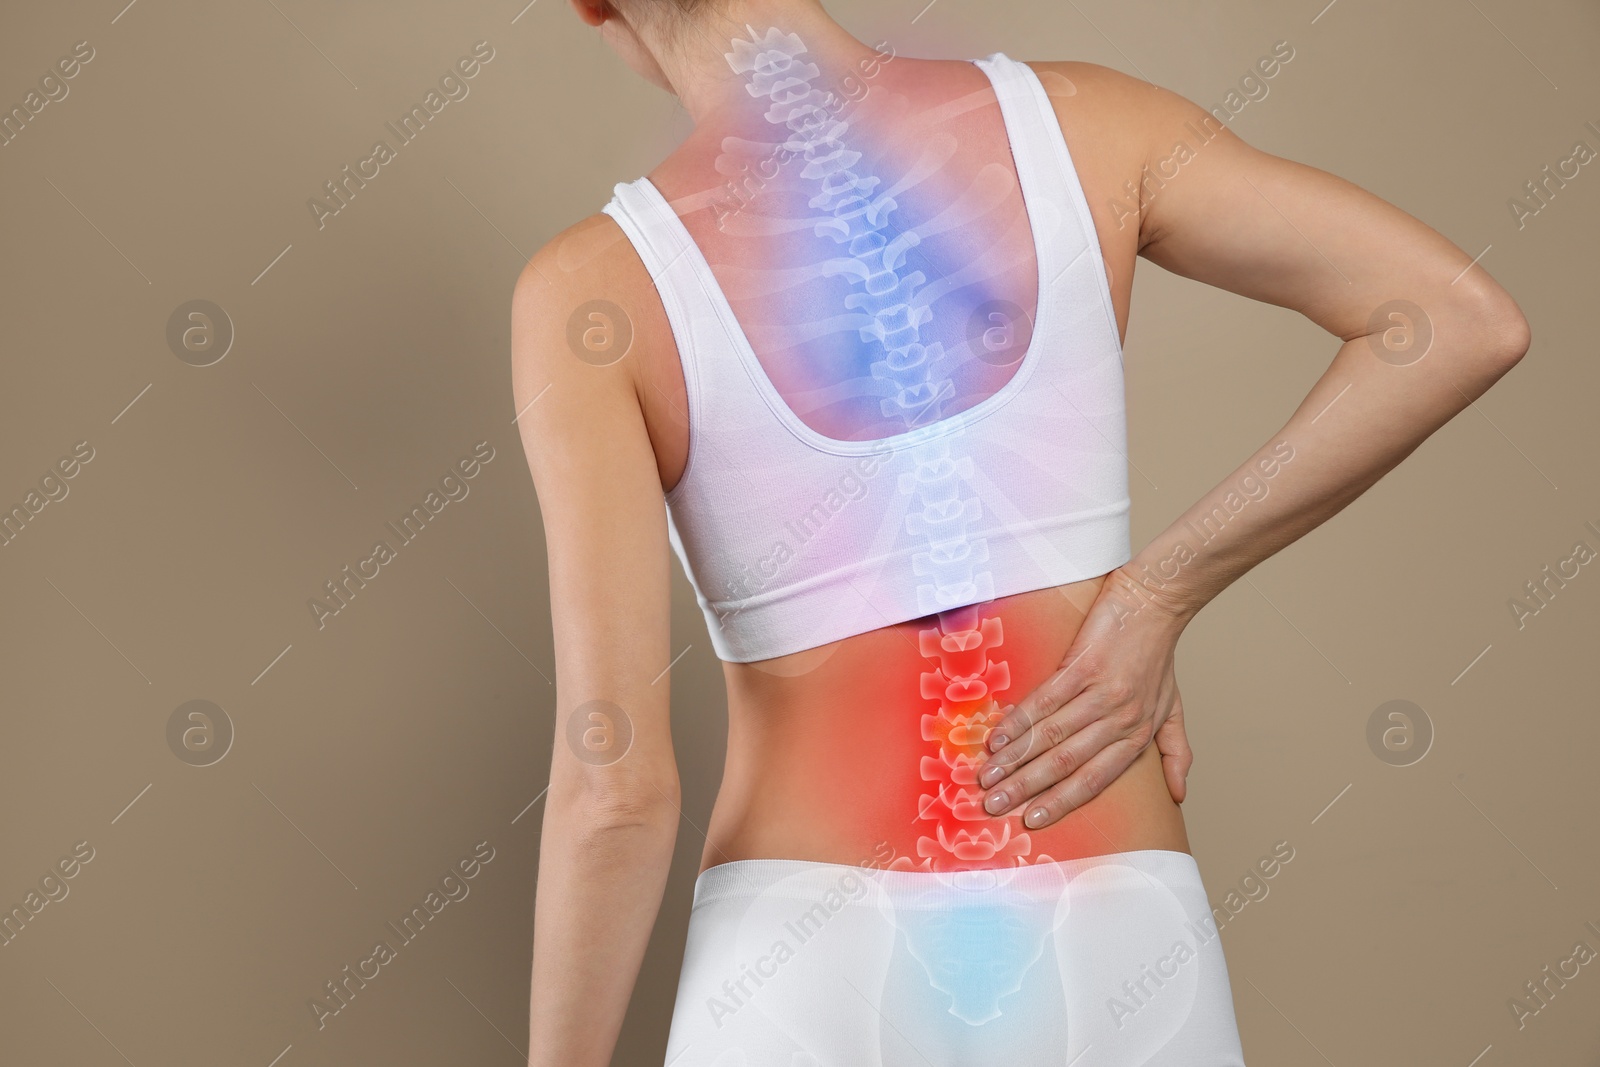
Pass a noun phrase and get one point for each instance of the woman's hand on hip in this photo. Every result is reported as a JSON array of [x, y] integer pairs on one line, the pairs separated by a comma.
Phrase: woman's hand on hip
[[1068, 739]]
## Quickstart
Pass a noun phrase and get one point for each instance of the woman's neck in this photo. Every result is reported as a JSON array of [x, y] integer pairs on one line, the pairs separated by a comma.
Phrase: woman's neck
[[695, 59]]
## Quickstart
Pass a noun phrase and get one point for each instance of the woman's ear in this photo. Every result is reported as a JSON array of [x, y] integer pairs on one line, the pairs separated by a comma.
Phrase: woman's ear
[[593, 12]]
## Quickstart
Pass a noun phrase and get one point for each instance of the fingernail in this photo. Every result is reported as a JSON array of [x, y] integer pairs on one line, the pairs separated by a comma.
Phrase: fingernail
[[997, 742], [995, 804], [1035, 818], [990, 776]]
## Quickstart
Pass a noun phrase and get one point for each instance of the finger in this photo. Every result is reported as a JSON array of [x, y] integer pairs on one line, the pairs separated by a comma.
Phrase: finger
[[1042, 732], [1176, 776], [1177, 780], [1176, 756], [1049, 733], [1049, 767], [1082, 786], [1045, 698]]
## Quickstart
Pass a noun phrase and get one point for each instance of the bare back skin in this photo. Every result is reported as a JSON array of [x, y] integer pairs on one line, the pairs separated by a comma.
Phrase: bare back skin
[[825, 745]]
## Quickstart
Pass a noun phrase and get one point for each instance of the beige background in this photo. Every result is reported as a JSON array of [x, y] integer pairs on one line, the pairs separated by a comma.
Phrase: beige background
[[372, 354]]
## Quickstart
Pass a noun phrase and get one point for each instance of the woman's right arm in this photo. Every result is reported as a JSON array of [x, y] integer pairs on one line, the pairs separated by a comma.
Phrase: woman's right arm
[[1423, 330], [611, 812]]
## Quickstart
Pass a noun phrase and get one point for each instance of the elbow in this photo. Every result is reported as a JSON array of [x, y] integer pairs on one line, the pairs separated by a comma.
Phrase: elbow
[[609, 830], [1507, 335], [1499, 326], [606, 804], [1485, 334], [1503, 341]]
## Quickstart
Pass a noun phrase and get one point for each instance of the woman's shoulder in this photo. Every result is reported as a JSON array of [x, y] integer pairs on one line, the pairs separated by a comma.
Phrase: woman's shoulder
[[1089, 92], [584, 254], [589, 277], [1064, 74], [582, 303]]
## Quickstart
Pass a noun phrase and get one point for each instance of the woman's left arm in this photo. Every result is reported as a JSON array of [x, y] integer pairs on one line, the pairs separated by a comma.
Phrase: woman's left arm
[[611, 810], [1425, 331]]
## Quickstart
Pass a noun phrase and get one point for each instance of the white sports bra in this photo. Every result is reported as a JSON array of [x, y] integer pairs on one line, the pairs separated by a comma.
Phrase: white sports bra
[[792, 539]]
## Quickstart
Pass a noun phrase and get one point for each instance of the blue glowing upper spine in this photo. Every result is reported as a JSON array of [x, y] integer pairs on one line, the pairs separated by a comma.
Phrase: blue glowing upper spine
[[858, 219]]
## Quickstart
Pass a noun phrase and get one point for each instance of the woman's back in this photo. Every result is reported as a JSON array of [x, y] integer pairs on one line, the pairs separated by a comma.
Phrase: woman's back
[[855, 720]]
